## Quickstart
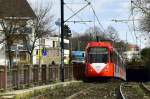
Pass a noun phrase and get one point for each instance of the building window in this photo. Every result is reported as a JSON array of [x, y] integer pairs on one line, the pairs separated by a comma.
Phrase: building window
[[54, 44], [43, 41]]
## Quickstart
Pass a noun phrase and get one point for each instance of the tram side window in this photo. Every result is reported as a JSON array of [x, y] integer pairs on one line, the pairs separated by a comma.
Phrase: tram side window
[[123, 65], [118, 63], [82, 54], [111, 57], [114, 58]]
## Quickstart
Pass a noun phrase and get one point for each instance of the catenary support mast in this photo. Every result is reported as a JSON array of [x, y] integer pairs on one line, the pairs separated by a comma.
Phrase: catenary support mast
[[62, 40]]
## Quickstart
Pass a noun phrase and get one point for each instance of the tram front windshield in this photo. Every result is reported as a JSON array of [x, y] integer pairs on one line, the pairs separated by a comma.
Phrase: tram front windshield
[[98, 55]]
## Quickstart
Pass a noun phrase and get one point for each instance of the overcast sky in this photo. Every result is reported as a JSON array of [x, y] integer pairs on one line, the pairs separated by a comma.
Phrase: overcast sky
[[106, 10]]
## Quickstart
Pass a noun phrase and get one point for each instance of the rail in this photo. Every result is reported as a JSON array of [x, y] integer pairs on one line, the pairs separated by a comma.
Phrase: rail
[[143, 86], [120, 91], [130, 91], [75, 95]]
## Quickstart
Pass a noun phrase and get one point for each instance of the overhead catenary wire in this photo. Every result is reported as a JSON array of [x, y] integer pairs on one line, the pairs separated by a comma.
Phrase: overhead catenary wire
[[98, 19], [136, 37], [133, 22], [129, 26], [76, 3], [94, 12], [131, 18], [126, 22], [72, 11], [101, 26], [143, 9], [95, 27], [130, 31], [77, 12], [82, 21]]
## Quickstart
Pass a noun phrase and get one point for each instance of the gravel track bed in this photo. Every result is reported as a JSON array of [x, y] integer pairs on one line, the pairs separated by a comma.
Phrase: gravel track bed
[[83, 91], [147, 84], [99, 91], [133, 91], [62, 92]]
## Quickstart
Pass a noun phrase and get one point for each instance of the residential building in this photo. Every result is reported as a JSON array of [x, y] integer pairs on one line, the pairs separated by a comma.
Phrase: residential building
[[132, 51], [18, 17], [49, 51], [132, 47]]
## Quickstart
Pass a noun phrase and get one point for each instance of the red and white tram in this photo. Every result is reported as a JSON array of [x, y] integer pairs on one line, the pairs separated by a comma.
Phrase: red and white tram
[[102, 60]]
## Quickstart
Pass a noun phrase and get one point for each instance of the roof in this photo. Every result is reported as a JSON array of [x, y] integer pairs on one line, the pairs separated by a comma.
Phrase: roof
[[132, 46], [100, 44], [131, 52], [16, 8], [78, 52]]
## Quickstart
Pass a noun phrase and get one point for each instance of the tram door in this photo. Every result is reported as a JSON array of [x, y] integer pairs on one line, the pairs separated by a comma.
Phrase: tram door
[[116, 65]]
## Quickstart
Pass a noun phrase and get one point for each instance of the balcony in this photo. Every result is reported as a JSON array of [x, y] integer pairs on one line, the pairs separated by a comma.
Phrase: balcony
[[17, 48], [23, 30]]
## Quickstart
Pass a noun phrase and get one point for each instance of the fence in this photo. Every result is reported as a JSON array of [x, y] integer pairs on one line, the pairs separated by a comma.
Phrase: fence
[[78, 71], [31, 75]]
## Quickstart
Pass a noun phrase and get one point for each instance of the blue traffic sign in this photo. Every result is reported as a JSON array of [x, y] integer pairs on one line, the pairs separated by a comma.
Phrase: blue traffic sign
[[44, 52]]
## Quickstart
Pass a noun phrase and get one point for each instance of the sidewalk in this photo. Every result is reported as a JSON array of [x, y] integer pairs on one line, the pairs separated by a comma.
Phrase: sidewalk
[[27, 93]]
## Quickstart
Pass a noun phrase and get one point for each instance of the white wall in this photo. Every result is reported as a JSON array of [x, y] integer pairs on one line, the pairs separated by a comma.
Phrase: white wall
[[129, 54], [2, 55], [49, 44]]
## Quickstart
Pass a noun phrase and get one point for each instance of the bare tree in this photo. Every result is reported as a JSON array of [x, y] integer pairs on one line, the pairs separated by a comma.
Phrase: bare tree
[[94, 31], [42, 25], [143, 8], [112, 33], [91, 34], [11, 28]]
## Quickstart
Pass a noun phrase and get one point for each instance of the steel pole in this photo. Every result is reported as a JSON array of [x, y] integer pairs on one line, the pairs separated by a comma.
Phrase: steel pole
[[62, 40]]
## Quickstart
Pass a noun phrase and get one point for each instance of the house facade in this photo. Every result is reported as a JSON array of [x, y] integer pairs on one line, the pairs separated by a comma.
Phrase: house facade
[[132, 52], [49, 51], [16, 24]]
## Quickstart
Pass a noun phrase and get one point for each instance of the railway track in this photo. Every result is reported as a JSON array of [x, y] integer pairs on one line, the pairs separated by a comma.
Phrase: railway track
[[94, 90], [75, 95], [132, 90], [146, 89], [121, 95], [97, 91]]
